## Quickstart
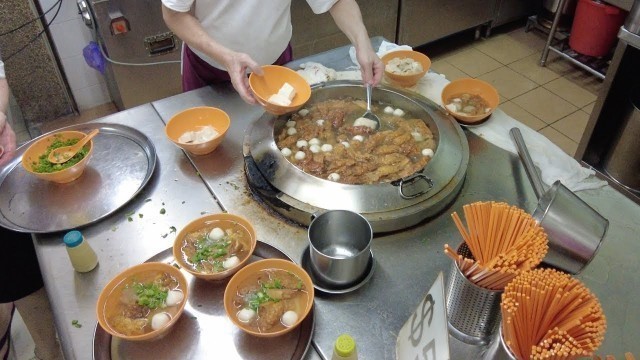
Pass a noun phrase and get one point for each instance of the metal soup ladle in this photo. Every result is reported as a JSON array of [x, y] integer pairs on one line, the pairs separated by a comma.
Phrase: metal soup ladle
[[574, 229], [368, 114]]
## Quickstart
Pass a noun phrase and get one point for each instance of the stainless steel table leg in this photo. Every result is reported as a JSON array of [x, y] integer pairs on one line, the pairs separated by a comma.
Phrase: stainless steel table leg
[[552, 32]]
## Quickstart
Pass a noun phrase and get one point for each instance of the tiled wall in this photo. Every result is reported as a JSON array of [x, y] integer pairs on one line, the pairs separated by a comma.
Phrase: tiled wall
[[70, 35]]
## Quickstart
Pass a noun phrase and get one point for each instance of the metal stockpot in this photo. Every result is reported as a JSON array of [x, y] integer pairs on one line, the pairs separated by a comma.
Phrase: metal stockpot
[[574, 229]]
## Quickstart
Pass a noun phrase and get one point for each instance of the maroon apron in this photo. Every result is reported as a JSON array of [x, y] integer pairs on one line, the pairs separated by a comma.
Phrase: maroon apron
[[197, 73]]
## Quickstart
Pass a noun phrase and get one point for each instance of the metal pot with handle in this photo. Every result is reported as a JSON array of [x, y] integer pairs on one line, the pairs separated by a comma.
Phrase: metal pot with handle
[[575, 230]]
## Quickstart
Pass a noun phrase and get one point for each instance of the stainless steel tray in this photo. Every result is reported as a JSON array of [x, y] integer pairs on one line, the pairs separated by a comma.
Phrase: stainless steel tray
[[204, 331], [122, 163]]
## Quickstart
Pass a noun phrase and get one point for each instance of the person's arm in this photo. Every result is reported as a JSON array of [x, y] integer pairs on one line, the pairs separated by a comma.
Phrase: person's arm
[[188, 28], [348, 17], [7, 136]]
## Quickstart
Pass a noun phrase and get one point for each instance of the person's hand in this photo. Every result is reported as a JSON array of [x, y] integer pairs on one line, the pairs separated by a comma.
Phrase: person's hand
[[7, 140], [237, 65], [371, 66]]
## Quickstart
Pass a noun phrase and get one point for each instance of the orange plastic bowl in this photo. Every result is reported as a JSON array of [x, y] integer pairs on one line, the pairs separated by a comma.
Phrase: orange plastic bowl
[[475, 87], [193, 119], [401, 79], [251, 270], [272, 80], [39, 147], [107, 291], [200, 223]]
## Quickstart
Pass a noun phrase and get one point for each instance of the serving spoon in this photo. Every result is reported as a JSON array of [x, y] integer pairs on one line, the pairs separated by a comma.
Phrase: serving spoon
[[368, 114], [63, 154]]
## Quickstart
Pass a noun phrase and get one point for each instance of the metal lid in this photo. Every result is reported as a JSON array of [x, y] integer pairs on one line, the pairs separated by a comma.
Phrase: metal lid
[[451, 156]]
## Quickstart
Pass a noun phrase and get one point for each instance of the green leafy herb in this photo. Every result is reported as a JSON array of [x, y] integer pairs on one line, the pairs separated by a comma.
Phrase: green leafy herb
[[261, 296], [147, 200], [76, 323], [150, 295], [130, 213], [202, 212], [129, 219], [43, 165], [165, 235], [206, 251], [114, 228], [173, 229], [140, 216], [162, 211]]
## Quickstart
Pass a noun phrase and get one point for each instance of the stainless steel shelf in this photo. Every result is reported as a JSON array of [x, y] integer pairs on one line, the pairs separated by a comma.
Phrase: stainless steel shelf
[[565, 55]]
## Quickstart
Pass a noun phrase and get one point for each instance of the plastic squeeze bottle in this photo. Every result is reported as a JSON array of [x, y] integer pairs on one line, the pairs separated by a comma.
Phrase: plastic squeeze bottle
[[345, 348], [82, 256]]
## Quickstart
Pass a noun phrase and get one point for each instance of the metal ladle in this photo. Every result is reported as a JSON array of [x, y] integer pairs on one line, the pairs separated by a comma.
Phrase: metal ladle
[[63, 154], [368, 114]]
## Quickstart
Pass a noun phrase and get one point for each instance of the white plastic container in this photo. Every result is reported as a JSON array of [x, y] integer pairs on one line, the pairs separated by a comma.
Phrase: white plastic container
[[82, 256], [345, 348]]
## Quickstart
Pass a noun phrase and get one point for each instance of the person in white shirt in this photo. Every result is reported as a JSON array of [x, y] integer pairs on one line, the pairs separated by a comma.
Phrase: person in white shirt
[[7, 136], [227, 38]]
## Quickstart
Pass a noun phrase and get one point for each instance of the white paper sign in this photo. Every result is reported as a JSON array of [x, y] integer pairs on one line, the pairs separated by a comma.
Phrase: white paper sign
[[425, 335]]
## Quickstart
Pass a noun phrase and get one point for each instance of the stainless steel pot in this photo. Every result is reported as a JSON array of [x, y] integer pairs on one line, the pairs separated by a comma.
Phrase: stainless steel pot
[[387, 206], [574, 229]]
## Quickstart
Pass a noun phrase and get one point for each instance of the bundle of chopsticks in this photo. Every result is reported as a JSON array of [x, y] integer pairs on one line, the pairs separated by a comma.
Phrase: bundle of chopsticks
[[504, 240], [548, 314]]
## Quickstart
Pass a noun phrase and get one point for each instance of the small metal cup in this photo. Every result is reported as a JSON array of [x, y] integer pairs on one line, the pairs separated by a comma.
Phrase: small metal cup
[[340, 243], [473, 312]]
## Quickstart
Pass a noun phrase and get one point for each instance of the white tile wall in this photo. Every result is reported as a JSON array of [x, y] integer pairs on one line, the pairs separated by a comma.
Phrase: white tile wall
[[70, 36]]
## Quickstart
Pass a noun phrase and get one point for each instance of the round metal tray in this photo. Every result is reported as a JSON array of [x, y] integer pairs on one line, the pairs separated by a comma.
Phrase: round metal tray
[[204, 331], [123, 162]]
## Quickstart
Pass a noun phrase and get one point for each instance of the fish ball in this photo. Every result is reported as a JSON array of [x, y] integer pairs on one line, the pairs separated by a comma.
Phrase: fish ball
[[230, 262], [314, 141], [314, 148], [388, 110], [300, 155], [246, 315], [303, 112], [292, 131], [398, 112], [326, 147], [320, 122], [291, 123], [286, 152], [334, 177], [358, 138], [289, 318], [216, 234], [427, 152], [160, 320], [174, 297], [345, 144], [302, 143]]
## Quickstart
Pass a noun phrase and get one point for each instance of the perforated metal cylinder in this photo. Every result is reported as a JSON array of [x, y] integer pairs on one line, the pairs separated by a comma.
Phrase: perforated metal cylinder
[[473, 312]]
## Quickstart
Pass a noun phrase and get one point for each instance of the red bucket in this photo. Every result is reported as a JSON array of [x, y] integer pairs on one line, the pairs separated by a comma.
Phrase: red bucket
[[595, 27]]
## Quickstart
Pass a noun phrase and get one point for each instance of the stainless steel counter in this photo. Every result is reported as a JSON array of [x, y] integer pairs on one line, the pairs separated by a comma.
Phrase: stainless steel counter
[[407, 262]]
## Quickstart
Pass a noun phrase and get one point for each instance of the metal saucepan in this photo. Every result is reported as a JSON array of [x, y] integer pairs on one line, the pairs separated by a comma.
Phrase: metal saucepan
[[575, 230]]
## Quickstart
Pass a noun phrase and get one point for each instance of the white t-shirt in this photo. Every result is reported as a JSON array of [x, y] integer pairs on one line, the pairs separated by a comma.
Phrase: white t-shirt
[[259, 28]]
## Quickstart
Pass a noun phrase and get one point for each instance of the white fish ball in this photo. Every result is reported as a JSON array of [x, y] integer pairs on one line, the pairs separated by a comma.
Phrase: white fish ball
[[303, 112], [230, 262], [314, 148], [334, 177], [174, 297], [292, 131], [398, 112], [286, 152], [388, 110], [417, 136], [320, 122], [300, 155], [427, 152], [345, 144], [302, 143], [246, 315], [314, 141], [289, 318], [358, 138], [326, 147], [216, 234], [160, 320], [291, 123], [452, 107]]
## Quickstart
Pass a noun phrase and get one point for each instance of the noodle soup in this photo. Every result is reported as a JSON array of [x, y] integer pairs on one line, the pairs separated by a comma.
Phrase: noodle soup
[[219, 246], [143, 302]]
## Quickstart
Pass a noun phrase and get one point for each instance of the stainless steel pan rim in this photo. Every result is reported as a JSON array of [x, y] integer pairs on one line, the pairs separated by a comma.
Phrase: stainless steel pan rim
[[452, 154]]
